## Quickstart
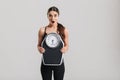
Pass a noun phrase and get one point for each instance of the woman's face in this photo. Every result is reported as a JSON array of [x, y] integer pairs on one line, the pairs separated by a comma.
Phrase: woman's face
[[53, 17]]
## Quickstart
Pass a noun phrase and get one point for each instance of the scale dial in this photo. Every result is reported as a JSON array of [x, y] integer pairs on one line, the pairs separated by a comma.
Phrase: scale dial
[[52, 40]]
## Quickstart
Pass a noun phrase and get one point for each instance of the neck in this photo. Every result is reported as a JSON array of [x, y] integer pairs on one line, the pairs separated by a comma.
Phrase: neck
[[53, 25]]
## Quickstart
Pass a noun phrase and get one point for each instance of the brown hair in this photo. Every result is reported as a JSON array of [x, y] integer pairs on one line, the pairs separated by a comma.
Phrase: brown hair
[[60, 27]]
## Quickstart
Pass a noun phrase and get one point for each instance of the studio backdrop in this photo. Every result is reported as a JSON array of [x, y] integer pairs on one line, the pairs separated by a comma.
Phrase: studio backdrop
[[94, 38]]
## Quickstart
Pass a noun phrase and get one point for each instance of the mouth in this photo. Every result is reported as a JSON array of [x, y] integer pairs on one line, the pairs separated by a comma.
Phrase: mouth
[[53, 21]]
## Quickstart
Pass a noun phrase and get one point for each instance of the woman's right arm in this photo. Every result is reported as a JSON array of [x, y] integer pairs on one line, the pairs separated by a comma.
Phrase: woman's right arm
[[40, 36]]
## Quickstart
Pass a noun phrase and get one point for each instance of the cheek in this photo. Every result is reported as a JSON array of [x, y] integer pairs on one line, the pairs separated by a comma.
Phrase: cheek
[[49, 18]]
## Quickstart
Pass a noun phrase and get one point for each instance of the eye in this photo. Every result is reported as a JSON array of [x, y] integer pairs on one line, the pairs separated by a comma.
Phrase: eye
[[55, 15], [50, 15]]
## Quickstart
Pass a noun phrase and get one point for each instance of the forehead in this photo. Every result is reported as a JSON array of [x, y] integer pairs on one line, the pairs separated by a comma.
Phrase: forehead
[[52, 12]]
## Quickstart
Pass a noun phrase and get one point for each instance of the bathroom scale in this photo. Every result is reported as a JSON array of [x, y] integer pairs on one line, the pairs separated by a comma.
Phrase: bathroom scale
[[52, 43]]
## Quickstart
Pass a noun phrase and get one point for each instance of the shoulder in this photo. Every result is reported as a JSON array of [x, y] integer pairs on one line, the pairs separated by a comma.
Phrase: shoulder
[[41, 30], [66, 30]]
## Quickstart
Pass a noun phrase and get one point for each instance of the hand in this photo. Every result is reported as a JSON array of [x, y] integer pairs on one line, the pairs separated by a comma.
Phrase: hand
[[41, 49], [63, 50]]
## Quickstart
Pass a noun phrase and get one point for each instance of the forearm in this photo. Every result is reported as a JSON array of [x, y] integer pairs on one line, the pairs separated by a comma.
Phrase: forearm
[[38, 46]]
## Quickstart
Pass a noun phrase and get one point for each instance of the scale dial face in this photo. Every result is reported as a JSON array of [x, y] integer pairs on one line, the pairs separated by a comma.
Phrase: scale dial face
[[52, 40]]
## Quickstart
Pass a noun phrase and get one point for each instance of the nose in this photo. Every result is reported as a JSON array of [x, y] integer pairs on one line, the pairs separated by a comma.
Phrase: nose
[[53, 17]]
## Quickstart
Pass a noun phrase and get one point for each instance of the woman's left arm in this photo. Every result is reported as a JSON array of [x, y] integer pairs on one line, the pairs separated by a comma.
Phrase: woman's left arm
[[66, 43]]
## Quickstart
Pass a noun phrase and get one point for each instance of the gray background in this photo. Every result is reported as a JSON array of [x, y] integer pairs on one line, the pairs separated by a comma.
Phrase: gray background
[[94, 38]]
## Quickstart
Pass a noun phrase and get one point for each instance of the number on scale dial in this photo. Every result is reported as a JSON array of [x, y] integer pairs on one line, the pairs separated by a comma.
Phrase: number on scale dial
[[52, 41]]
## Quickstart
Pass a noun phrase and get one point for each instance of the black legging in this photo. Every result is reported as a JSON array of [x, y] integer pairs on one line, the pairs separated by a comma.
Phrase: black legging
[[58, 72]]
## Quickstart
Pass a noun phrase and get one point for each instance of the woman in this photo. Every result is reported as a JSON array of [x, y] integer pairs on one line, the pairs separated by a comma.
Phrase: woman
[[53, 26]]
